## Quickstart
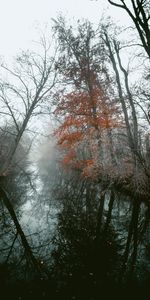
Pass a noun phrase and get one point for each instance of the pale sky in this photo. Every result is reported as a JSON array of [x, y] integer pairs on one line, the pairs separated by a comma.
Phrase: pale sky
[[19, 18]]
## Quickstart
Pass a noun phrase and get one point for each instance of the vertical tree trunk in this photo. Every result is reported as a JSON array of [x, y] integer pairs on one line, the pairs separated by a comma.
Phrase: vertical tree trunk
[[132, 232], [120, 92], [110, 207], [99, 216], [135, 239]]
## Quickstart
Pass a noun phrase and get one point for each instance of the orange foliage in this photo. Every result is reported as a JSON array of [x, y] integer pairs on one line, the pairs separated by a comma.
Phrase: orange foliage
[[86, 116]]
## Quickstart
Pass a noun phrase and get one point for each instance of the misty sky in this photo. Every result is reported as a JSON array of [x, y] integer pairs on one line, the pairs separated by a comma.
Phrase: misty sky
[[19, 18]]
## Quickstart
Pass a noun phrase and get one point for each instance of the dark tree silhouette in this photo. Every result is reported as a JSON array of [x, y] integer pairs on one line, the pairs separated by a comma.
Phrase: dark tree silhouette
[[139, 12]]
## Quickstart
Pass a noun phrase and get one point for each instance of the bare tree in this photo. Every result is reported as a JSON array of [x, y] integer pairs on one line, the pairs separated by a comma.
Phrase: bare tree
[[30, 88], [24, 95], [126, 99], [139, 12]]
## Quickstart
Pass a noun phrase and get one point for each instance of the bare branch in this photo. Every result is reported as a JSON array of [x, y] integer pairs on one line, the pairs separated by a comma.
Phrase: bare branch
[[116, 4]]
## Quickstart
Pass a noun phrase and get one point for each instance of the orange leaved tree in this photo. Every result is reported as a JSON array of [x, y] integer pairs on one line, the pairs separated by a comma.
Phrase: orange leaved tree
[[87, 108], [85, 129]]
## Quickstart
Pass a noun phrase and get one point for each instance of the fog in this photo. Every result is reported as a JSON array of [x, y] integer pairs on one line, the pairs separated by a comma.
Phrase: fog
[[75, 151]]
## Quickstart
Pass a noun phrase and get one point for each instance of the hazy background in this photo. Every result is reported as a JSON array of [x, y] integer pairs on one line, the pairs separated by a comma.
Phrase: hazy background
[[19, 19]]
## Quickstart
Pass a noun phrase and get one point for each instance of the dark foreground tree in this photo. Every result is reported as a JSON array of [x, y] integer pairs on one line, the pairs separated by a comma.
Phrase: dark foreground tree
[[139, 12]]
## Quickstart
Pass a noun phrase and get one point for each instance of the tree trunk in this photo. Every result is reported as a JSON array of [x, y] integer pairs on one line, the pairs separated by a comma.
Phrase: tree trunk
[[110, 208], [132, 232], [27, 248], [99, 216]]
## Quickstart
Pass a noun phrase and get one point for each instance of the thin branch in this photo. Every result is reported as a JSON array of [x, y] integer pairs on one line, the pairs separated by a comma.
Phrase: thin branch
[[116, 4], [11, 248]]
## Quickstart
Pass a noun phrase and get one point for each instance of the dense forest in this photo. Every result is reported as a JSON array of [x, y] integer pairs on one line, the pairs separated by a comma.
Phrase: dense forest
[[75, 161]]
